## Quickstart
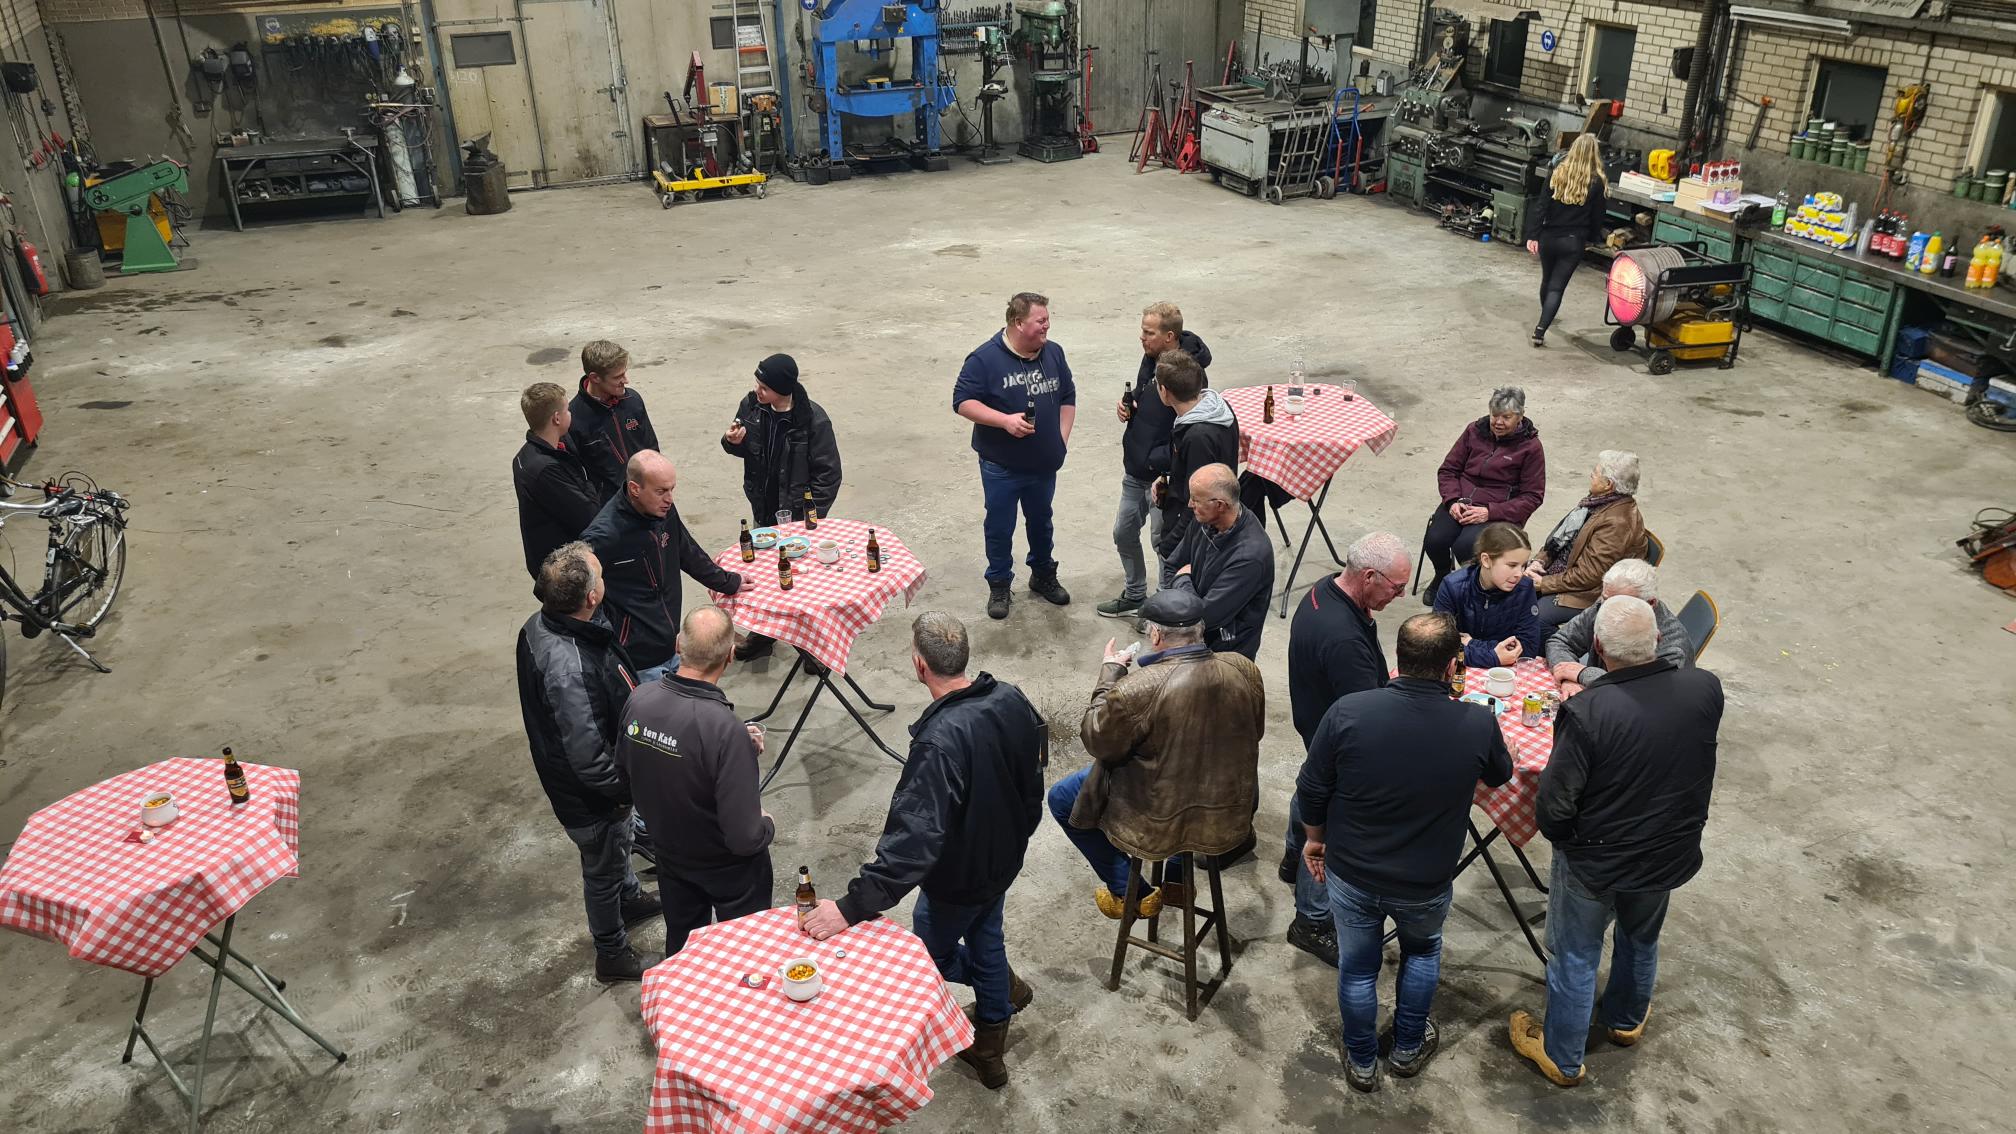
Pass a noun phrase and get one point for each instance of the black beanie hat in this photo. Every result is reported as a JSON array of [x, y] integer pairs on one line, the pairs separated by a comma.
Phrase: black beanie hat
[[780, 373]]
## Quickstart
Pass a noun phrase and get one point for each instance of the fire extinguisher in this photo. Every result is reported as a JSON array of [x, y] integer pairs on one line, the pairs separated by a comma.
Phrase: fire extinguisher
[[31, 263]]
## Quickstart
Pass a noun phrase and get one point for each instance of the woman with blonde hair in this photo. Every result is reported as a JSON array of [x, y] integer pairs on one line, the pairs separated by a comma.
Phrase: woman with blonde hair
[[1569, 219]]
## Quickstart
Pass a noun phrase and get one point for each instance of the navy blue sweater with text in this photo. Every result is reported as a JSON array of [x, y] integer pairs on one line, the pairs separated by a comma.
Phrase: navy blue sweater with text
[[1002, 380]]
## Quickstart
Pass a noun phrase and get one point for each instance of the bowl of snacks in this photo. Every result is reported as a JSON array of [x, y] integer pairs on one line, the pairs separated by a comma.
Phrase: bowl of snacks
[[801, 978], [764, 538], [157, 809], [794, 546]]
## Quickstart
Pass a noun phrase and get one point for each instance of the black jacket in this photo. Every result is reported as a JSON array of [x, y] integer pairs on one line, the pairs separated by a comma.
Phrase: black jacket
[[1207, 435], [967, 801], [1233, 572], [1625, 794], [1555, 218], [606, 436], [783, 455], [692, 771], [572, 682], [642, 558], [1333, 651], [555, 498], [1144, 446]]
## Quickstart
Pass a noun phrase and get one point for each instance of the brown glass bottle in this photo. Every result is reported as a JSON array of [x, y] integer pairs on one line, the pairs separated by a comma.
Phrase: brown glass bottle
[[784, 579], [1267, 408], [1029, 415], [811, 512], [748, 543], [807, 897], [1459, 678], [234, 779], [874, 552]]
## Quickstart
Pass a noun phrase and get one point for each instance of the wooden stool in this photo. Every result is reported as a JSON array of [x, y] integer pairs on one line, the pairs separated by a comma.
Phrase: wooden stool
[[1193, 933]]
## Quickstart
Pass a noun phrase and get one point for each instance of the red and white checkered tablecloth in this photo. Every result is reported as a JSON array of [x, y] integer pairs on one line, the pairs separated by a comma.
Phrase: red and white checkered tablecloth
[[827, 607], [738, 1060], [79, 874], [1510, 805], [1301, 453]]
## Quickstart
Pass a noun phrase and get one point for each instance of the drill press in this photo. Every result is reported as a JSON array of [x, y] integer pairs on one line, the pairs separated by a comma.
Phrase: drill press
[[129, 193]]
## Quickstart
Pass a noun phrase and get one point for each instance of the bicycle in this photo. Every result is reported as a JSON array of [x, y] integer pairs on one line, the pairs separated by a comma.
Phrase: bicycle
[[82, 569]]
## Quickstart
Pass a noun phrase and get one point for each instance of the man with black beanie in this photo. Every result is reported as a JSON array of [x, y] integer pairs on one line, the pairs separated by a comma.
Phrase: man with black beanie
[[788, 450]]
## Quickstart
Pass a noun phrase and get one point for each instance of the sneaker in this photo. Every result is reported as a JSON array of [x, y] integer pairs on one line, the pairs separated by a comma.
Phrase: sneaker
[[641, 908], [1113, 905], [1626, 1039], [1411, 1066], [1122, 607], [1364, 1079], [629, 965], [1046, 586], [1316, 938], [1530, 1041], [755, 646], [997, 601]]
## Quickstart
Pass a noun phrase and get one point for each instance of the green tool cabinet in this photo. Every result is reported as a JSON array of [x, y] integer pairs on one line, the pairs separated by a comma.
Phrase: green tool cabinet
[[1715, 241], [1815, 293]]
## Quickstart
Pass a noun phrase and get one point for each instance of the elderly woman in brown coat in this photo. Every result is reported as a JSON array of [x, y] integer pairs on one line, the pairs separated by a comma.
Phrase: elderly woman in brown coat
[[1175, 747], [1603, 528]]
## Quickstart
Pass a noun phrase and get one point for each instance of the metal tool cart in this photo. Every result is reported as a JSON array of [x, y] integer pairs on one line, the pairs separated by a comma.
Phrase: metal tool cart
[[306, 169]]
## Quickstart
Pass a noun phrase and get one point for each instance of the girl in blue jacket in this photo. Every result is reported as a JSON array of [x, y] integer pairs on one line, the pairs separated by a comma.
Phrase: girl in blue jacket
[[1493, 600]]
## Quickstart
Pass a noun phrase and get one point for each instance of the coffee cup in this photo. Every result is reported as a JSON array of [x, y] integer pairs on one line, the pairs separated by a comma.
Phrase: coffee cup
[[157, 809], [828, 551], [1499, 681]]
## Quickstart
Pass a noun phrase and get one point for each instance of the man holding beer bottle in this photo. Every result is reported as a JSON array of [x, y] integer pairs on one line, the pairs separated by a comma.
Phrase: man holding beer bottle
[[966, 803], [789, 456]]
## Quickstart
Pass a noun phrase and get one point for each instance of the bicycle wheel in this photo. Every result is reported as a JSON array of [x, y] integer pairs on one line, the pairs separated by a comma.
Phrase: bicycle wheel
[[90, 563]]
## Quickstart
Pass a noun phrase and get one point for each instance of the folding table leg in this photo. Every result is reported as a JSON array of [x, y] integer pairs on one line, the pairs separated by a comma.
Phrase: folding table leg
[[139, 1020], [865, 698], [858, 718], [1511, 903], [796, 666], [1315, 522], [1532, 874], [209, 1025], [778, 765]]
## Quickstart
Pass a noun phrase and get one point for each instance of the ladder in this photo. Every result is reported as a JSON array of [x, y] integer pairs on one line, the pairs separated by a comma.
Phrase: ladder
[[755, 73]]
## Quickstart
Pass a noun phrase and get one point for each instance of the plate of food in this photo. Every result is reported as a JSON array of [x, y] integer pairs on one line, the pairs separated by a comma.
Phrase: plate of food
[[765, 538], [794, 546]]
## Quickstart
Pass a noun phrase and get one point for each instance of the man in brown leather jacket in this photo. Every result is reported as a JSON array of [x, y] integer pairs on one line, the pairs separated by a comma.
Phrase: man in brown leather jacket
[[1175, 747]]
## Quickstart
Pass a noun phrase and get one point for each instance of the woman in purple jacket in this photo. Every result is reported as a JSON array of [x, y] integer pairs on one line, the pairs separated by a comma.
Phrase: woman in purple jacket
[[1495, 471]]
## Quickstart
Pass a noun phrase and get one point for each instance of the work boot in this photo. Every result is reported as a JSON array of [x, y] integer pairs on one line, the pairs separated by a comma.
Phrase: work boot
[[998, 600], [1434, 585], [1408, 1068], [1316, 938], [1291, 866], [755, 646], [1530, 1041], [1626, 1039], [1019, 996], [1044, 584], [989, 1042], [629, 965], [641, 908], [1122, 607]]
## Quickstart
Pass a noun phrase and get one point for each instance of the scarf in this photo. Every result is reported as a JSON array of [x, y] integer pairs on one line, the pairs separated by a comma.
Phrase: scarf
[[1563, 536]]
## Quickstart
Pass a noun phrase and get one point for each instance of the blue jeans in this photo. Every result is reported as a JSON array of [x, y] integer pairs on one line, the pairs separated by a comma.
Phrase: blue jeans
[[1576, 919], [1108, 861], [651, 676], [1361, 922], [1005, 489], [982, 961], [1312, 898], [606, 879], [1135, 506]]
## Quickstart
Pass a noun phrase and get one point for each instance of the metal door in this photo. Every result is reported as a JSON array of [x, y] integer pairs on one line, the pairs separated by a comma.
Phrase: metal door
[[1125, 32], [544, 78]]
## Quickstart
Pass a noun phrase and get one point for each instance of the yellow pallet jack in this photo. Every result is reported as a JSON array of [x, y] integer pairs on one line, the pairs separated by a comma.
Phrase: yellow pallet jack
[[689, 188]]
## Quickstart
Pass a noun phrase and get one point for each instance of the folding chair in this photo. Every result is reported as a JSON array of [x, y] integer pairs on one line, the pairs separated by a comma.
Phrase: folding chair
[[1700, 618], [1654, 550]]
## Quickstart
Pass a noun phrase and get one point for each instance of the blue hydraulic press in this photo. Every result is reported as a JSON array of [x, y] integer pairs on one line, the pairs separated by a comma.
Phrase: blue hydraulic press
[[926, 94]]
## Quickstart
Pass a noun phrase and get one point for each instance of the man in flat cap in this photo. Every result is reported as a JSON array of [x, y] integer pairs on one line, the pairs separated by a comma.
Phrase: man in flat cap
[[1175, 747], [789, 456]]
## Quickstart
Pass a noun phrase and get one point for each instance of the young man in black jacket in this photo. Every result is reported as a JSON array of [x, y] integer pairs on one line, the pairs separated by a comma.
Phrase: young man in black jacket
[[1206, 433], [572, 681], [555, 498], [788, 453], [610, 424], [1624, 800], [1225, 560], [644, 548], [959, 823], [1144, 450], [692, 770]]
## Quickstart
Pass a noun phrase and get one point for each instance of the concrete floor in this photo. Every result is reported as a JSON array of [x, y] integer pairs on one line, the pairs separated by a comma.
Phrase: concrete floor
[[316, 426]]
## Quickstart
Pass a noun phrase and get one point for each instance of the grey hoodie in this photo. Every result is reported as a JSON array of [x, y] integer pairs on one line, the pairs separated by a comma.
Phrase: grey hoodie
[[1207, 435]]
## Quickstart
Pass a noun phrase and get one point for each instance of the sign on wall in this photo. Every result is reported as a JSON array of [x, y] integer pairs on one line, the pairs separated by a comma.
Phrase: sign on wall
[[1547, 41]]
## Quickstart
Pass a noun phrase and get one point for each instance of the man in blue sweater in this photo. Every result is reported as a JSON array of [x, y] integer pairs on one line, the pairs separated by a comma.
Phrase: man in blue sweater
[[1017, 391]]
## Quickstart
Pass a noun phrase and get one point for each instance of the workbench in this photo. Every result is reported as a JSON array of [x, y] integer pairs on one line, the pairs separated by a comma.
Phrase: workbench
[[291, 165]]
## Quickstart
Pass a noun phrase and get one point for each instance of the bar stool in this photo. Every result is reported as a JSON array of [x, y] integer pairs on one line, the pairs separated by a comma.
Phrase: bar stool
[[1193, 933]]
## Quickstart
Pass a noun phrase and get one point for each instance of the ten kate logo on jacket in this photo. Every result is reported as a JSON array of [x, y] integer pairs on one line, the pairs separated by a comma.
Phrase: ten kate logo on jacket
[[652, 738]]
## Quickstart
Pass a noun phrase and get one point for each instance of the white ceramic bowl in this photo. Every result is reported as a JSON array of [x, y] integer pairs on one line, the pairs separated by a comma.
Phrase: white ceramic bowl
[[157, 809], [828, 550], [1499, 681], [800, 990]]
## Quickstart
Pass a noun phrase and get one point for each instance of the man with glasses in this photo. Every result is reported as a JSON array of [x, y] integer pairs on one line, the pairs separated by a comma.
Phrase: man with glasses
[[1333, 650]]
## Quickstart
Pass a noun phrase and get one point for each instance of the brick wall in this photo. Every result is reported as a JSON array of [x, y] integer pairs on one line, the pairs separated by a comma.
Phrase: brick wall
[[1396, 30], [1281, 17], [21, 18]]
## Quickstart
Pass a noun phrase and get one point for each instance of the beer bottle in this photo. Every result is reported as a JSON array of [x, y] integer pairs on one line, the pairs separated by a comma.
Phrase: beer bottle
[[874, 552], [1458, 678], [1029, 415], [1127, 400], [811, 512], [234, 779], [784, 579], [748, 544], [1267, 408], [808, 898]]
